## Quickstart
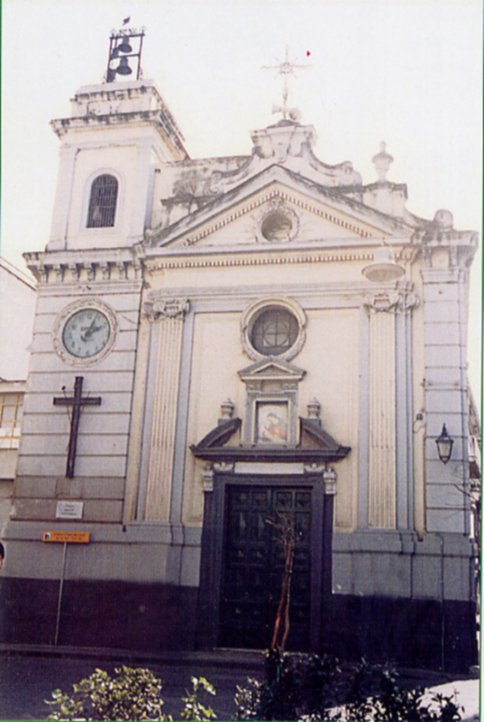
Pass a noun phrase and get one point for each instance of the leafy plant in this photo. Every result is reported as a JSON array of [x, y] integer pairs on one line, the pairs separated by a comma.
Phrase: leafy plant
[[294, 685], [132, 694], [193, 709], [315, 689]]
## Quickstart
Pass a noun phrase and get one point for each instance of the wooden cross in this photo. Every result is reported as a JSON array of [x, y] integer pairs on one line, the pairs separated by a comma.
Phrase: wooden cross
[[76, 401]]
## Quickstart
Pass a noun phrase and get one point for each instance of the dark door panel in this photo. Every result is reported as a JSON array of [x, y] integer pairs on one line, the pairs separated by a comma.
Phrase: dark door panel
[[253, 565]]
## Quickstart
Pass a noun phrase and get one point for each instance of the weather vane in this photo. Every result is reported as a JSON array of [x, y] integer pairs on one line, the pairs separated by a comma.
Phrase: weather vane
[[286, 68]]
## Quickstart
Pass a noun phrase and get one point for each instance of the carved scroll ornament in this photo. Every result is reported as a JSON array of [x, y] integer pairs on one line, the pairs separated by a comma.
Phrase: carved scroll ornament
[[391, 302], [160, 309]]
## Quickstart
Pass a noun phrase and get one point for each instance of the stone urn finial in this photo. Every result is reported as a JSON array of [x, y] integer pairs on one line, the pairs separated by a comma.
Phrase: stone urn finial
[[227, 409], [382, 162], [444, 219], [314, 410]]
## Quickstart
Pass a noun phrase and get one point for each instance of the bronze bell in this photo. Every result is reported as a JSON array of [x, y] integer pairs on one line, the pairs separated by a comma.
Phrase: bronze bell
[[123, 67], [124, 46]]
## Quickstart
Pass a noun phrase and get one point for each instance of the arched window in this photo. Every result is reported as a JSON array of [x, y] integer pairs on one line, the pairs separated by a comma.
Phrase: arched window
[[102, 203]]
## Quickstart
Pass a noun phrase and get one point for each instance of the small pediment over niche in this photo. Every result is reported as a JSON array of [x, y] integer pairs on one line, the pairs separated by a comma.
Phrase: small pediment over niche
[[271, 370]]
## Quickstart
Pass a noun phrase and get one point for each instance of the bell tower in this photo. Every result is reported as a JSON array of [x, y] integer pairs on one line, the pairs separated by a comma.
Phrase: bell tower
[[117, 134]]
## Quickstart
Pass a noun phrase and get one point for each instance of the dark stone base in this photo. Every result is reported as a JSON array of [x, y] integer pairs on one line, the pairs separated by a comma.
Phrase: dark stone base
[[98, 614], [418, 633], [415, 633]]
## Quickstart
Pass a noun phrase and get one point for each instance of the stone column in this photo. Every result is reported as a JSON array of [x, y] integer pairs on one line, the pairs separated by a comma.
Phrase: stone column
[[385, 409], [170, 315]]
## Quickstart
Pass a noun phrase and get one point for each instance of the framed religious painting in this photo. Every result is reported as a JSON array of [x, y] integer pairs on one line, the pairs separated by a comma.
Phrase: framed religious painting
[[272, 422]]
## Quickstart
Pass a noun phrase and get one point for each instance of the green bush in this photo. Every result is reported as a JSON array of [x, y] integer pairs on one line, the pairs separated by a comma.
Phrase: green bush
[[193, 709], [306, 687], [132, 694], [295, 685]]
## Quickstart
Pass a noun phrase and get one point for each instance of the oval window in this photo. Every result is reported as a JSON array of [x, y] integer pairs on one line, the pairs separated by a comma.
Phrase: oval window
[[277, 226]]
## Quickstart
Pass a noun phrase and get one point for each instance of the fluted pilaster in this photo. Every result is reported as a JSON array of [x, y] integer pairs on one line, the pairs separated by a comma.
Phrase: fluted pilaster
[[169, 314], [382, 462], [382, 467]]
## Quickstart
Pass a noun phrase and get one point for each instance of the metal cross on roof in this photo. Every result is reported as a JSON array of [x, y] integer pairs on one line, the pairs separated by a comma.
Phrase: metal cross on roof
[[285, 68]]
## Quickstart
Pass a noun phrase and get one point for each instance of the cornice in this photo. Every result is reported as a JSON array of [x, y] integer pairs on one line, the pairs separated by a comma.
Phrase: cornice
[[121, 265], [241, 259]]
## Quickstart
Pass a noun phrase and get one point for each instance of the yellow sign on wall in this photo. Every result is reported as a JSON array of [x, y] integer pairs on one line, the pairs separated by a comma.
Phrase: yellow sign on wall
[[67, 537]]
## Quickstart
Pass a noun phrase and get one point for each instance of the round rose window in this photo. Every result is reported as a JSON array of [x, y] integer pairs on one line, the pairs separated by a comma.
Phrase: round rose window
[[274, 331]]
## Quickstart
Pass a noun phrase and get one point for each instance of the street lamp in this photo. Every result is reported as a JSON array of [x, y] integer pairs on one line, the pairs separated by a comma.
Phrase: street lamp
[[444, 445]]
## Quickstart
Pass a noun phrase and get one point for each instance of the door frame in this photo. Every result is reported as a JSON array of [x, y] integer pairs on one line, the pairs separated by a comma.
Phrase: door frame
[[211, 564]]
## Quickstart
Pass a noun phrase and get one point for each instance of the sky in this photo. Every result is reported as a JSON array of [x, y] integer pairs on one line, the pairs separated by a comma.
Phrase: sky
[[407, 72]]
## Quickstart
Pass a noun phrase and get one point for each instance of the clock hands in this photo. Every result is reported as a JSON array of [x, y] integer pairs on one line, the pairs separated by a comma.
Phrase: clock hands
[[89, 330]]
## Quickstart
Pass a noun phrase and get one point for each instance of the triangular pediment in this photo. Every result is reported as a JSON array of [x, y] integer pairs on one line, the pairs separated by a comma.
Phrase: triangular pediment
[[276, 208], [271, 369]]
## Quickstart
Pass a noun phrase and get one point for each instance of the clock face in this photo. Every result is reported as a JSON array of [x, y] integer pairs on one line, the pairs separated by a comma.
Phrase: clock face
[[86, 333]]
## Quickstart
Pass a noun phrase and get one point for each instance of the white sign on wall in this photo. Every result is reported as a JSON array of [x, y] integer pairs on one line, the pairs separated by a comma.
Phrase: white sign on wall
[[69, 510]]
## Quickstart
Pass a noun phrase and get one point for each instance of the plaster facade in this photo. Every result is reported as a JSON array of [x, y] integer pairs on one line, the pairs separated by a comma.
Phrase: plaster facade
[[198, 251]]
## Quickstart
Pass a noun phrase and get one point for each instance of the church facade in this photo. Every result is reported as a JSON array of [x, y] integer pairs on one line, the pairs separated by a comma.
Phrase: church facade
[[223, 342]]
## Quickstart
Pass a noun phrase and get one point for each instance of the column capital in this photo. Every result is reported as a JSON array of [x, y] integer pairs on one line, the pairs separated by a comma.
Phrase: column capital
[[397, 301], [162, 309]]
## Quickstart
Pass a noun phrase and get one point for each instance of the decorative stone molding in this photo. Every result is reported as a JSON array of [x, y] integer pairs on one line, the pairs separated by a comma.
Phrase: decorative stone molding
[[207, 478], [327, 213], [74, 271], [261, 260], [399, 301], [96, 266], [162, 309], [61, 320], [251, 314], [59, 272], [276, 222], [271, 403], [104, 267], [224, 467], [329, 479], [314, 468]]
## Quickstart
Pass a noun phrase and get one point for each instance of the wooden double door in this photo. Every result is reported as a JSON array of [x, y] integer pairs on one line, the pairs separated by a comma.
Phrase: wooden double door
[[253, 564]]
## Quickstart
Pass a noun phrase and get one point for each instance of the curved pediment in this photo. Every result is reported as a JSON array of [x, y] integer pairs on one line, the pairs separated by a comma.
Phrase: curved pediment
[[316, 446]]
